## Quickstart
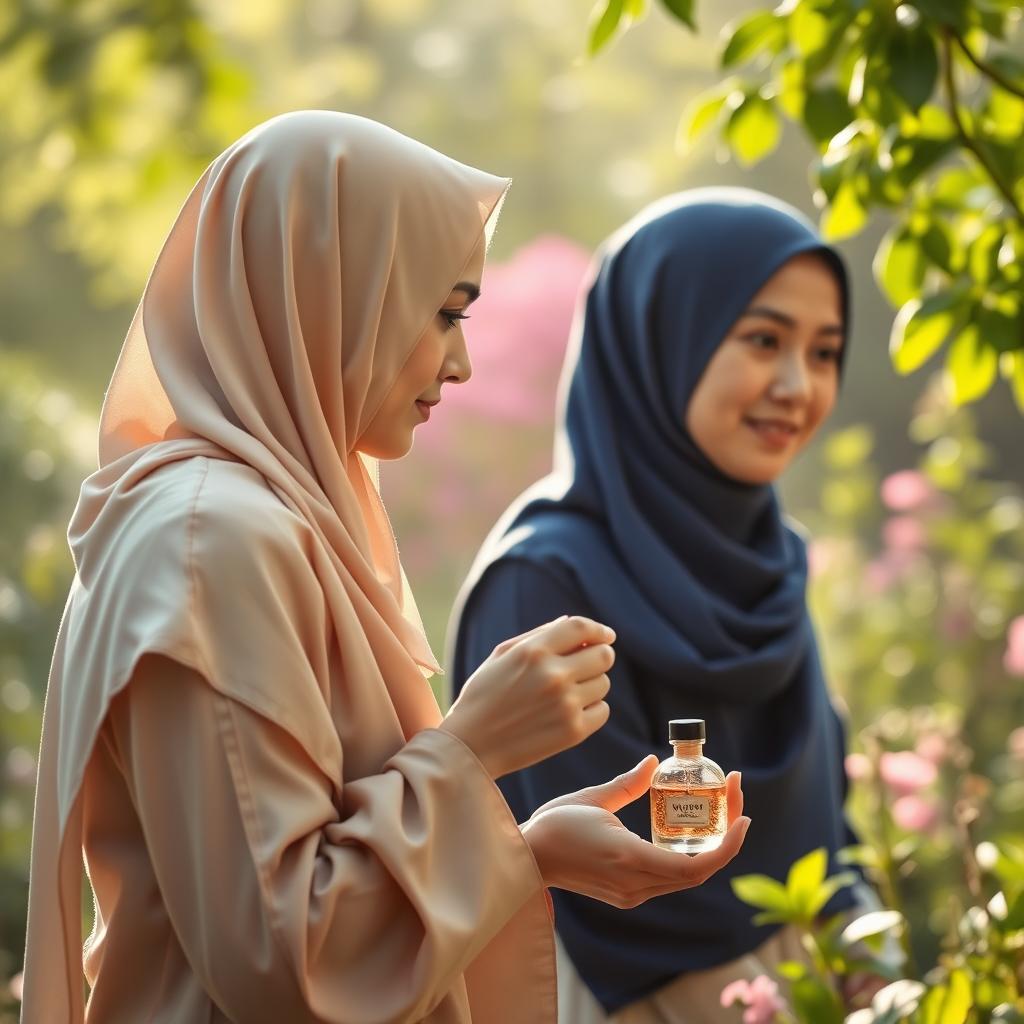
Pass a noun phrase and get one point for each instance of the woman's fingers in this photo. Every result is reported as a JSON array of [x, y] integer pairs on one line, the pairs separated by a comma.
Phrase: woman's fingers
[[568, 635], [616, 793], [669, 867], [506, 645], [590, 691], [734, 795], [588, 662], [594, 716]]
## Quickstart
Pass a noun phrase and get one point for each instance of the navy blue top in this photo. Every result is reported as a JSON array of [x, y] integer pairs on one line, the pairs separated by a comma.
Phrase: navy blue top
[[700, 576]]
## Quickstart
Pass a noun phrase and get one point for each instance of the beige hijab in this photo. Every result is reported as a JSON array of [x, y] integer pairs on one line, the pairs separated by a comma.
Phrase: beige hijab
[[292, 288]]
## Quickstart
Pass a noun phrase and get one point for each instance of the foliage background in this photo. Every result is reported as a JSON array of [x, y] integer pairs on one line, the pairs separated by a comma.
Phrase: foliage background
[[112, 109]]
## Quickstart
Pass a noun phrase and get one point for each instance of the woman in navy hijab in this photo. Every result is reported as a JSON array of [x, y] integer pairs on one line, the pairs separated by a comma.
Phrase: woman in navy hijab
[[708, 352]]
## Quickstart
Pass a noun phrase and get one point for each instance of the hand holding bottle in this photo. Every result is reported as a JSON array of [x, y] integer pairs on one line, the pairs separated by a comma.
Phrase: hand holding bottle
[[581, 846], [536, 695]]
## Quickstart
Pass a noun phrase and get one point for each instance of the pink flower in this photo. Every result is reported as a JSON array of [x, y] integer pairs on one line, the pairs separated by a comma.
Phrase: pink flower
[[858, 766], [517, 336], [1013, 659], [760, 997], [933, 746], [905, 772], [915, 814], [886, 571], [15, 986], [906, 490], [903, 533]]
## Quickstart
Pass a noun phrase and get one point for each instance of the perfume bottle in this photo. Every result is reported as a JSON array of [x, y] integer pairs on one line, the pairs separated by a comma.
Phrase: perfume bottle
[[689, 808]]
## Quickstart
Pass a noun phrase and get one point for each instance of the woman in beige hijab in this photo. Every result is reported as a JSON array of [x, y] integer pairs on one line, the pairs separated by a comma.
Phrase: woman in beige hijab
[[276, 821]]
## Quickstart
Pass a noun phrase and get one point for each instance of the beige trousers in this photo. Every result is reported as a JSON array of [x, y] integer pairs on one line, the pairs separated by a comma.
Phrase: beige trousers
[[693, 998]]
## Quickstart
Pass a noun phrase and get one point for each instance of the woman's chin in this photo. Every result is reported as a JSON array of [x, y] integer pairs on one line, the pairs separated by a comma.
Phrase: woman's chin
[[387, 450]]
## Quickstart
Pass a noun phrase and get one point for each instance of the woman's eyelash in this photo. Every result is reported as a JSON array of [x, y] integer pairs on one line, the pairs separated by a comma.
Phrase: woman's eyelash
[[452, 317]]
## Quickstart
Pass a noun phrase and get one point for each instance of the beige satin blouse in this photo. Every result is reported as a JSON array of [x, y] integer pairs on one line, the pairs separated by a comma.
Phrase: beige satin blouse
[[204, 821]]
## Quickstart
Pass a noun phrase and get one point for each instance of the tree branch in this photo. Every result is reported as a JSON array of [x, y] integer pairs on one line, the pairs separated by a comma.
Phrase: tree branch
[[986, 69], [969, 141]]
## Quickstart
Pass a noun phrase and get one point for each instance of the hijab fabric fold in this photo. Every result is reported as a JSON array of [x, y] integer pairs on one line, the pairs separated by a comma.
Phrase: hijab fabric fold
[[293, 286]]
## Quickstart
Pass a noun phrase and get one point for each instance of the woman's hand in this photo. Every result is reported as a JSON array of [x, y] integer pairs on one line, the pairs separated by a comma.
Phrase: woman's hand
[[581, 846], [536, 695]]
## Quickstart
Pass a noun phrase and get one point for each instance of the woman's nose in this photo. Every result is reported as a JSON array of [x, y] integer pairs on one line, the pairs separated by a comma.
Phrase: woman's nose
[[792, 381], [457, 367]]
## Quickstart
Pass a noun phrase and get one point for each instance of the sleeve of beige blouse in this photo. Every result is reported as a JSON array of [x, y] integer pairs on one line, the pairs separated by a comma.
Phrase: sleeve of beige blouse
[[284, 909]]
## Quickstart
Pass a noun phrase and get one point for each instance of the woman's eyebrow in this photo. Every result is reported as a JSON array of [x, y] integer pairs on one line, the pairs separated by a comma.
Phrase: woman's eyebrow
[[469, 288], [786, 320]]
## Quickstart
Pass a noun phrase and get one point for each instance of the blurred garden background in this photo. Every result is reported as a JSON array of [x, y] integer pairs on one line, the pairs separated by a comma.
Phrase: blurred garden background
[[897, 125]]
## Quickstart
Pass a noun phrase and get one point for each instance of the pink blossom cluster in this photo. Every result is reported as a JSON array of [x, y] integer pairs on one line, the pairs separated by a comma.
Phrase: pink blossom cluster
[[760, 998], [908, 775], [516, 335], [909, 495], [1013, 659]]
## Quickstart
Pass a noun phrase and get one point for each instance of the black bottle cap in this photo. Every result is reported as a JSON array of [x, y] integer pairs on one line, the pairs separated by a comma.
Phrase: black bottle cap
[[686, 729]]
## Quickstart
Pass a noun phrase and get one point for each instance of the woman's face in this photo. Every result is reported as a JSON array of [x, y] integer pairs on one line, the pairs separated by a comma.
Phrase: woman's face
[[440, 357], [773, 379]]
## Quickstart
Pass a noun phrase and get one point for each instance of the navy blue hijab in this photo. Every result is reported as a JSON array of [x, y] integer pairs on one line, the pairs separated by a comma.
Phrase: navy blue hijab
[[699, 574]]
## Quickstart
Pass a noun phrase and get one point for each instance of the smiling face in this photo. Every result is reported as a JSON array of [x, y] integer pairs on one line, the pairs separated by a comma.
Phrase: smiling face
[[440, 357], [773, 380]]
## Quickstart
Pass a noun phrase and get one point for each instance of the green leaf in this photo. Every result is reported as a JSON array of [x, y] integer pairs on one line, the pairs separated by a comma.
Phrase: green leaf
[[971, 366], [865, 856], [826, 891], [753, 129], [816, 1001], [1014, 920], [604, 24], [947, 1004], [699, 114], [683, 11], [762, 30], [894, 1002], [1003, 331], [845, 215], [1010, 66], [1012, 366], [913, 65], [792, 970], [1003, 118], [921, 328], [772, 917], [900, 265], [938, 247], [946, 12], [826, 113], [877, 922], [808, 29], [805, 877], [983, 254], [762, 891]]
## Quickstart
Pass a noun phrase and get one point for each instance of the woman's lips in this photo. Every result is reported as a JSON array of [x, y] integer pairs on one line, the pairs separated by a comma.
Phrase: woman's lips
[[424, 409], [774, 433]]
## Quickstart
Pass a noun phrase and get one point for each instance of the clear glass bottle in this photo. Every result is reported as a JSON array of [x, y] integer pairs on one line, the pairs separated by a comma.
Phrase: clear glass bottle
[[689, 808]]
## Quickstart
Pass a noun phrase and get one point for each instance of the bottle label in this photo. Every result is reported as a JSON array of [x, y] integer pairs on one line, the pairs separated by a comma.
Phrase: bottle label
[[687, 810]]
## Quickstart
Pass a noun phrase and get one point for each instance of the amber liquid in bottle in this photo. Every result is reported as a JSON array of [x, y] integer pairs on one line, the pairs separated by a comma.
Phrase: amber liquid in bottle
[[689, 808]]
